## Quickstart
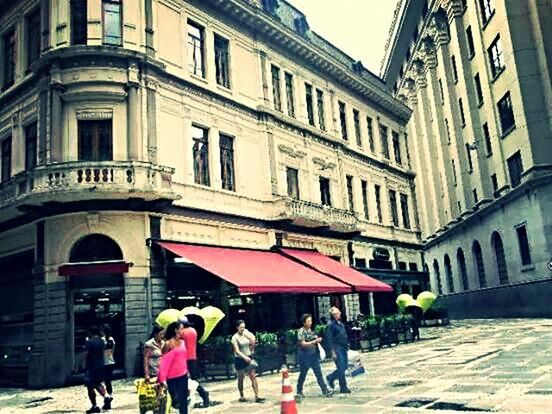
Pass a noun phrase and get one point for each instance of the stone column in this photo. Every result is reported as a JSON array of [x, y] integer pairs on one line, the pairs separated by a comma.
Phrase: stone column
[[150, 49], [214, 156], [18, 145], [151, 111], [56, 117], [264, 78], [42, 122], [134, 130], [334, 116]]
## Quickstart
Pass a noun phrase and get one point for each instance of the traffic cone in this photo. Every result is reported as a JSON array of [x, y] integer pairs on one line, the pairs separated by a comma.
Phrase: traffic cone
[[288, 399]]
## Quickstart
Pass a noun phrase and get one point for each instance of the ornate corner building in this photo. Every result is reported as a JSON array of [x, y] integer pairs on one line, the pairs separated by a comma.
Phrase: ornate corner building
[[218, 123], [477, 74]]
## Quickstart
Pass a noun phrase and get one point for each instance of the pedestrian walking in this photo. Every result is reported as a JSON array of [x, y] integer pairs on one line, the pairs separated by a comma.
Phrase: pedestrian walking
[[189, 335], [173, 366], [309, 356], [152, 352], [243, 343], [338, 344], [109, 363], [94, 356]]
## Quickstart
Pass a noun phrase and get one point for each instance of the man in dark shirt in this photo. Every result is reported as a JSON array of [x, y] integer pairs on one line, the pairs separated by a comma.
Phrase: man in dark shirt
[[338, 343], [95, 369]]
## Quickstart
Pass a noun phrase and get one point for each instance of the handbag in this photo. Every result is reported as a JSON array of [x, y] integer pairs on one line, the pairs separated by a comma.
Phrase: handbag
[[252, 365], [321, 352]]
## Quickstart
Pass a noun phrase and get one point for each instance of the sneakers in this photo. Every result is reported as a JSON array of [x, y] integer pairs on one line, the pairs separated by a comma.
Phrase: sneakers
[[345, 391], [260, 400], [330, 383], [328, 393], [299, 396], [94, 409]]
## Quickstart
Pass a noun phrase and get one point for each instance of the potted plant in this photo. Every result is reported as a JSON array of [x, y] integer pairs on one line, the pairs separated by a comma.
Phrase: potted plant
[[290, 347]]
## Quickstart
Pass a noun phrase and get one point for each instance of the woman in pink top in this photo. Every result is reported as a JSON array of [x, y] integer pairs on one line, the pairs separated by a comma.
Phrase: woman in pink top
[[173, 367]]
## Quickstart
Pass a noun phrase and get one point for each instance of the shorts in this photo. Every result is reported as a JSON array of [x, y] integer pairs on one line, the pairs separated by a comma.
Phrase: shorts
[[93, 378], [240, 364]]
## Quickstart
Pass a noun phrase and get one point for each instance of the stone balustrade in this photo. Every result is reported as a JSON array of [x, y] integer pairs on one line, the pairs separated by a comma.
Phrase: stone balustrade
[[81, 180]]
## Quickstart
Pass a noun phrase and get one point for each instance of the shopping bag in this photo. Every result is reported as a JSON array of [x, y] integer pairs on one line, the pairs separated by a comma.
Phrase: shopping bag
[[321, 352], [164, 402], [147, 396]]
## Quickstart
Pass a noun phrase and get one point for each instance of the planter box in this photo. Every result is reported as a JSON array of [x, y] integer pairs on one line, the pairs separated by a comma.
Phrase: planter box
[[213, 371]]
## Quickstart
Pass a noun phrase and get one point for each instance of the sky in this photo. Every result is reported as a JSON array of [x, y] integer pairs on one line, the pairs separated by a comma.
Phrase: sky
[[358, 27]]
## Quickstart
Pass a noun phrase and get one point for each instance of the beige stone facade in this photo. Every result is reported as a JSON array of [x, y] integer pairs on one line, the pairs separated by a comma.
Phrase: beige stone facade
[[98, 113], [477, 76]]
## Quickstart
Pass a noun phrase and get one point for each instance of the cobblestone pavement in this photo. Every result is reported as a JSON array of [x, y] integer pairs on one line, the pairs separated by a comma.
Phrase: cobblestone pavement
[[473, 365]]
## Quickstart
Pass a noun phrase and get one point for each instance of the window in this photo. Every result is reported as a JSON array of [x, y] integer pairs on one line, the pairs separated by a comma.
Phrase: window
[[496, 60], [441, 91], [33, 36], [453, 164], [487, 10], [200, 137], [523, 242], [276, 96], [377, 190], [393, 207], [360, 263], [494, 182], [506, 113], [515, 169], [471, 46], [438, 277], [396, 147], [196, 38], [95, 140], [227, 175], [447, 130], [370, 126], [350, 196], [292, 182], [475, 198], [402, 265], [222, 61], [6, 159], [8, 40], [325, 198], [30, 145], [356, 119], [448, 272], [462, 267], [487, 138], [461, 109], [413, 267], [404, 211], [478, 90], [79, 22], [343, 120], [308, 99], [320, 102], [384, 141], [112, 22], [364, 186], [468, 155], [500, 257], [476, 249], [454, 70], [289, 94]]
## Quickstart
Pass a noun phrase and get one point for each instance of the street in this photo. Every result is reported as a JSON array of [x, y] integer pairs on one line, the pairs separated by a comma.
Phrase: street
[[473, 365]]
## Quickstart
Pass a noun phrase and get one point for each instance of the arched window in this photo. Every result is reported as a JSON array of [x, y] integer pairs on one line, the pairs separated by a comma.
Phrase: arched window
[[94, 248], [478, 255], [438, 276], [462, 267], [448, 272], [498, 248]]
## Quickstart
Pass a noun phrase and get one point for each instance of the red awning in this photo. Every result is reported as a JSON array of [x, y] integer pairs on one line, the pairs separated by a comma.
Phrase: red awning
[[331, 267], [93, 268], [257, 271]]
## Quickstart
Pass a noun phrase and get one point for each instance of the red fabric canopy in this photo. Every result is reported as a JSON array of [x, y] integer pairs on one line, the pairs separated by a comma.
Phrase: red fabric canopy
[[93, 268], [329, 266], [257, 271]]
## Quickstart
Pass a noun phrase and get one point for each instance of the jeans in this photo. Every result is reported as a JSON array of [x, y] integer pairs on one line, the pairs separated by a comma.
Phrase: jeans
[[178, 388], [341, 364], [309, 360]]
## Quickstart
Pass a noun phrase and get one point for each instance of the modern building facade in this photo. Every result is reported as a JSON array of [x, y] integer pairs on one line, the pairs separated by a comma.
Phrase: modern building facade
[[220, 123], [477, 75]]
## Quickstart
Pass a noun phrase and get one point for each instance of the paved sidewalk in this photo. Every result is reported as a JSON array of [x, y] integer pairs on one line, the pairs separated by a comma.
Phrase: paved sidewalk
[[474, 365]]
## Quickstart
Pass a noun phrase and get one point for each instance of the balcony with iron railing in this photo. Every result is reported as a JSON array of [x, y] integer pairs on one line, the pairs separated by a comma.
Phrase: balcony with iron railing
[[308, 214], [88, 180]]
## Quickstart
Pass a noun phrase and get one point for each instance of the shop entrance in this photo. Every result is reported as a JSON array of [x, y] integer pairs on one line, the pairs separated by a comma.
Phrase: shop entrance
[[96, 299]]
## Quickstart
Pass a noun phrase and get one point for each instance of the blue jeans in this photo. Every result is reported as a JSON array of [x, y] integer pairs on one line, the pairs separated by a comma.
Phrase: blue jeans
[[341, 363], [308, 360]]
